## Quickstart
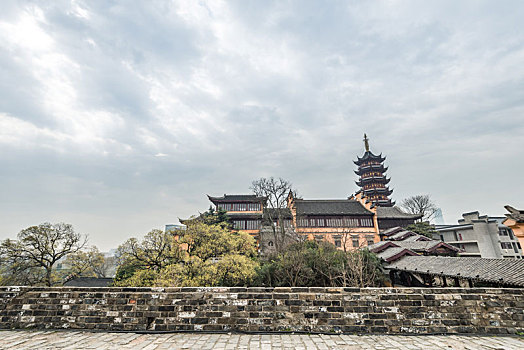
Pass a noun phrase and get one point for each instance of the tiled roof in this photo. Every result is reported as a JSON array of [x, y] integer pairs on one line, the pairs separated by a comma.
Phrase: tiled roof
[[503, 271], [382, 245], [369, 155], [424, 246], [330, 207], [416, 237], [395, 213], [394, 253], [515, 214], [392, 231], [237, 198]]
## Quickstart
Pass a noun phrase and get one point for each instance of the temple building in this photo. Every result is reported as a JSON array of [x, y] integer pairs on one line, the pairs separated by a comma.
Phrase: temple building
[[244, 211], [349, 223], [374, 193], [344, 222], [373, 181]]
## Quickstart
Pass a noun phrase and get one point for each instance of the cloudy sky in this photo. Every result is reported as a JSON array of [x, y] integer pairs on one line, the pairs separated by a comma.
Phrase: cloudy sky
[[118, 117]]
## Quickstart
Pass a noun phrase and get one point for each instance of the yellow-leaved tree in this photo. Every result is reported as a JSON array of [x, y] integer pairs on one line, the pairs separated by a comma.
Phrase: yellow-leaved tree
[[201, 255]]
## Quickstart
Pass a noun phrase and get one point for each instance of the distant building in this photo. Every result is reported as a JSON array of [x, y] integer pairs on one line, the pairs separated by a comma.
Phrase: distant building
[[243, 210], [372, 179], [174, 227], [515, 221], [438, 218], [481, 236], [398, 242], [346, 223]]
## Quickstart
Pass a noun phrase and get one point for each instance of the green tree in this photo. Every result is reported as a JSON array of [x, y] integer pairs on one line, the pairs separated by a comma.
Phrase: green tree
[[216, 217], [88, 263], [40, 248], [423, 228], [201, 255], [308, 264]]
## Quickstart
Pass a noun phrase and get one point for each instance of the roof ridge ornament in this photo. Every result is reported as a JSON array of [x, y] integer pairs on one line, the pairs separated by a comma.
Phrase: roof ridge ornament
[[366, 142]]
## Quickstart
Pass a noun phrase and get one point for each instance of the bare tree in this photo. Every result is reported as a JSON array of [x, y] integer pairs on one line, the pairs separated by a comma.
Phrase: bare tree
[[89, 263], [157, 250], [276, 192], [362, 268], [420, 204], [43, 245]]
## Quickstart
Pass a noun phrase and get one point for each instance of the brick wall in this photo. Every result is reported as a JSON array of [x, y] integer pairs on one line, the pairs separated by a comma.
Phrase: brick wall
[[348, 310]]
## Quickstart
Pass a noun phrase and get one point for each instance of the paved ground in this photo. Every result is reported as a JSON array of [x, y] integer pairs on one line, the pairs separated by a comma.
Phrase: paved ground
[[86, 340]]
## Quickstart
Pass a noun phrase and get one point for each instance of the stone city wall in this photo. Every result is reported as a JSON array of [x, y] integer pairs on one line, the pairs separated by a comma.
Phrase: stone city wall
[[346, 310]]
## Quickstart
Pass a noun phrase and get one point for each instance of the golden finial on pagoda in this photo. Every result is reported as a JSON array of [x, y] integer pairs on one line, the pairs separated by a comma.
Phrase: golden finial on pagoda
[[366, 142]]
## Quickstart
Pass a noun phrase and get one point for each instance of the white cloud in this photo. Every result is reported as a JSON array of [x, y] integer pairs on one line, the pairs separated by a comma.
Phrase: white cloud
[[140, 104]]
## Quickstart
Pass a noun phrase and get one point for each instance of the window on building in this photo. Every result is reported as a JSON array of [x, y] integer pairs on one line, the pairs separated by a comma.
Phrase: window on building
[[270, 243], [505, 245], [355, 242], [370, 240], [338, 243]]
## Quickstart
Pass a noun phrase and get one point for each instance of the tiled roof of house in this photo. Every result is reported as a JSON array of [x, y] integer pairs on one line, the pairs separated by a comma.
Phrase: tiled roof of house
[[382, 245], [392, 231], [416, 237], [395, 213], [393, 253], [237, 198], [503, 271], [425, 246], [330, 207]]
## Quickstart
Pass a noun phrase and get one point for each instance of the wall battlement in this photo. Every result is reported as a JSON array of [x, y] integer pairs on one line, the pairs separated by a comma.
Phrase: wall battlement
[[346, 310]]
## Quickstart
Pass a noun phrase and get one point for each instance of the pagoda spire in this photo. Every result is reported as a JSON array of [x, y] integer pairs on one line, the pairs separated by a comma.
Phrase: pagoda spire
[[366, 142]]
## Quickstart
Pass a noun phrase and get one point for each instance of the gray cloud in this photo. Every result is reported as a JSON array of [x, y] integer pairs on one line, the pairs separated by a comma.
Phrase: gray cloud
[[120, 118]]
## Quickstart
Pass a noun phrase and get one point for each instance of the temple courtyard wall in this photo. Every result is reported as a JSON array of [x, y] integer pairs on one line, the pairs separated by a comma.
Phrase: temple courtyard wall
[[314, 310]]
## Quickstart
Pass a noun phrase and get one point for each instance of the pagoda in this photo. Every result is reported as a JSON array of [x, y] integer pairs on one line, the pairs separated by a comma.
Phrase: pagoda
[[373, 181]]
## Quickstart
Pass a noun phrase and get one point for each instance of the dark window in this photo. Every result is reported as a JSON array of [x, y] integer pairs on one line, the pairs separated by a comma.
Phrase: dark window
[[270, 243], [505, 245], [355, 242], [338, 243]]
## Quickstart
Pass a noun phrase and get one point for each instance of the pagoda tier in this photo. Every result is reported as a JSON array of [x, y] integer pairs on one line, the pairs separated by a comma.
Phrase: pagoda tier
[[371, 168], [372, 178], [369, 158], [363, 182], [383, 191]]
